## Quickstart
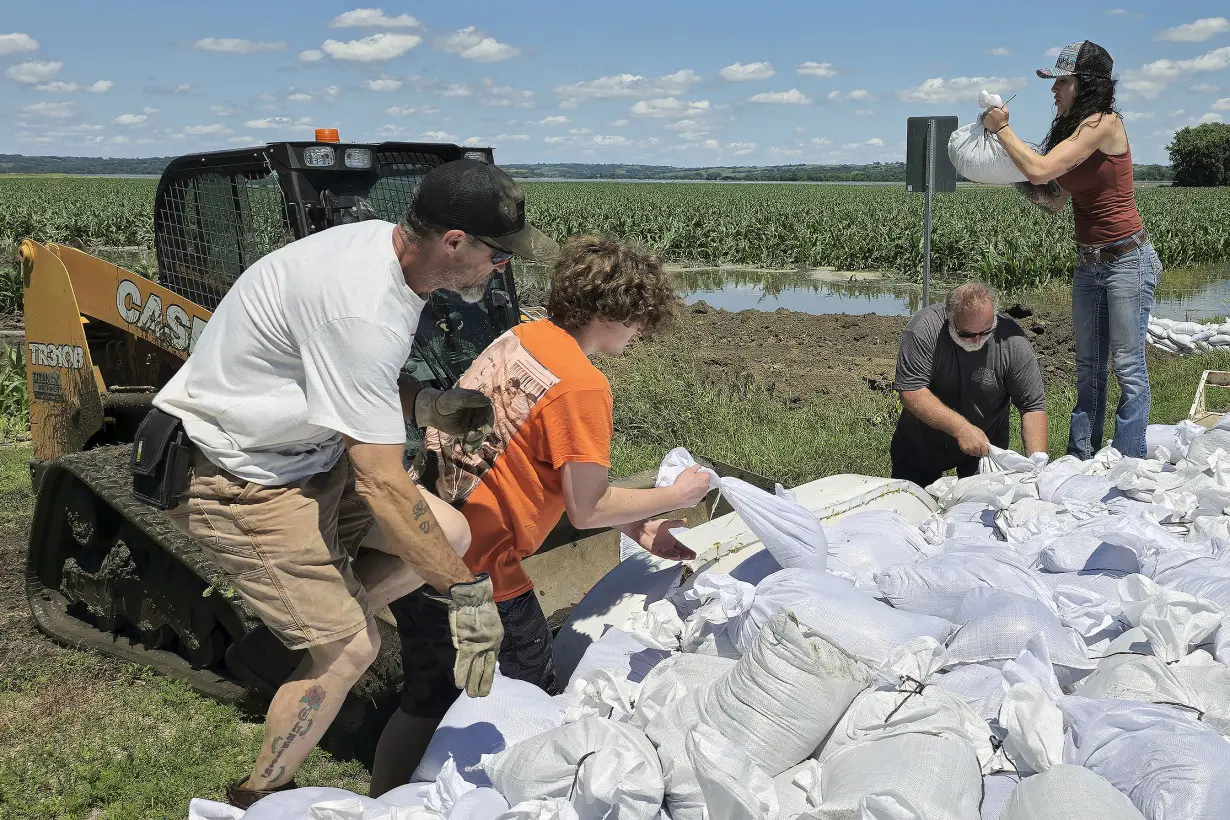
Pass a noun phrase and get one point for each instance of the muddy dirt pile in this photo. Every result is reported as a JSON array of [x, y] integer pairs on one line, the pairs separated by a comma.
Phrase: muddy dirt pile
[[797, 355]]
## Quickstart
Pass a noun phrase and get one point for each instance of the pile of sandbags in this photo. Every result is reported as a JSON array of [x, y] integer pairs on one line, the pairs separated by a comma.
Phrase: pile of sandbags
[[1051, 644], [1186, 337]]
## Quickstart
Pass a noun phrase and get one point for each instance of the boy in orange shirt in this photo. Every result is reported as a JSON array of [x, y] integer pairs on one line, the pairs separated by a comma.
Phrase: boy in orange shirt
[[549, 453]]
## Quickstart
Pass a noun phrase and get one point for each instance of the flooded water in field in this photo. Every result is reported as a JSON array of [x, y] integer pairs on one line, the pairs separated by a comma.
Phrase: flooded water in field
[[1196, 294]]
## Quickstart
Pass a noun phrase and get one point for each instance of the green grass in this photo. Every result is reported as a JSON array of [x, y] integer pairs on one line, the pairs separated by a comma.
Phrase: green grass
[[658, 407], [83, 736]]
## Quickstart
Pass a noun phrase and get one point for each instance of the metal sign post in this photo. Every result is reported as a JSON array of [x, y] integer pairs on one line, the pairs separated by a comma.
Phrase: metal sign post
[[928, 169]]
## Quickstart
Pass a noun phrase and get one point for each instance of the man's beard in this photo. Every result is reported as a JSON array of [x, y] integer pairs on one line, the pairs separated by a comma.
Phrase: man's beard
[[965, 344], [473, 294]]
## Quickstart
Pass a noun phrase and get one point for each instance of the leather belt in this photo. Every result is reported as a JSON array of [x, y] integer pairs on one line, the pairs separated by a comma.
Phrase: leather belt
[[1094, 254]]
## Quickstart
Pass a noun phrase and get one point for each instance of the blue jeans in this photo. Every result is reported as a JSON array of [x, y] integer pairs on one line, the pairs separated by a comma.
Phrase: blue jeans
[[1111, 302]]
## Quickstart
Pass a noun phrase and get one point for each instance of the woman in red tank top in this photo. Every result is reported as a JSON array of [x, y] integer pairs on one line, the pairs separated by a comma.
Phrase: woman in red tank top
[[1087, 160]]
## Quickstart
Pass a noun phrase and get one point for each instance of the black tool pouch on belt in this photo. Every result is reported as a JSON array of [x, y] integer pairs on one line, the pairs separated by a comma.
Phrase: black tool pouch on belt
[[161, 454]]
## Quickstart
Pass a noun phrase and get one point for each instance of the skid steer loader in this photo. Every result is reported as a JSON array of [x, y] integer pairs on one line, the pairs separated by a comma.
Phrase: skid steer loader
[[107, 572]]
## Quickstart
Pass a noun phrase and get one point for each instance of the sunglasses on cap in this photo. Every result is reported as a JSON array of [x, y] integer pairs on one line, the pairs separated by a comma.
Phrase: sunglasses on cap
[[498, 257]]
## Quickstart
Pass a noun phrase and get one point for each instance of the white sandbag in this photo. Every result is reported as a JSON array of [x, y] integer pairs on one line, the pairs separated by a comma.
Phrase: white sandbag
[[937, 777], [1169, 764], [935, 586], [553, 809], [854, 622], [713, 598], [658, 627], [1203, 446], [202, 809], [784, 695], [980, 686], [999, 460], [1173, 621], [620, 653], [1077, 487], [790, 532], [1188, 328], [599, 765], [996, 490], [668, 732], [480, 804], [998, 625], [1066, 791], [734, 787], [1114, 544], [871, 541], [795, 786], [1176, 438], [675, 677], [996, 789], [472, 727], [968, 520], [978, 154]]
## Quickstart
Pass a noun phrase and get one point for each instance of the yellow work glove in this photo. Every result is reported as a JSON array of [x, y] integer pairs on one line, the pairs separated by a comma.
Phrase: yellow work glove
[[474, 623]]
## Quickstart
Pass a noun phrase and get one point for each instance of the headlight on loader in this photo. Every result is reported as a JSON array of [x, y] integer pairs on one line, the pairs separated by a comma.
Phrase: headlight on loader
[[318, 156]]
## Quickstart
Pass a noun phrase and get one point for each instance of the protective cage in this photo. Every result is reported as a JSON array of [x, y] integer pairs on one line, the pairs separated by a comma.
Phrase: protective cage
[[215, 214]]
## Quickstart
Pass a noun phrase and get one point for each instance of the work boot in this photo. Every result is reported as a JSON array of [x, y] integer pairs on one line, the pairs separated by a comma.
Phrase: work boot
[[241, 797]]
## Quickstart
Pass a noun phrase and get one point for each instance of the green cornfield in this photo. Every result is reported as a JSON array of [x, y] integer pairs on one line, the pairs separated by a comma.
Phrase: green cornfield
[[987, 232]]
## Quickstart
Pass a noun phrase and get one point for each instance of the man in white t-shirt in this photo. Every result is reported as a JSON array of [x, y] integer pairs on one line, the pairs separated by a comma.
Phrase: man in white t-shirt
[[294, 402]]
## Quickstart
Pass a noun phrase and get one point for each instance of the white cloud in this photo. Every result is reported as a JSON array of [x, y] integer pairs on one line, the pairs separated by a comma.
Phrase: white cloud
[[439, 136], [17, 43], [669, 107], [471, 44], [331, 92], [857, 95], [1205, 88], [875, 142], [222, 110], [33, 71], [510, 138], [266, 123], [400, 111], [616, 140], [626, 85], [235, 45], [300, 97], [1124, 13], [372, 18], [791, 97], [59, 86], [998, 51], [1210, 117], [1152, 78], [811, 69], [51, 110], [1054, 52], [382, 46], [620, 123], [457, 90], [741, 148], [1178, 112], [864, 112], [100, 87], [120, 140], [383, 84], [505, 96], [1137, 115], [819, 142], [201, 130], [1222, 105], [554, 120], [311, 55], [688, 125], [149, 110], [1203, 29], [580, 131], [555, 140], [785, 151], [130, 119], [957, 89], [740, 73]]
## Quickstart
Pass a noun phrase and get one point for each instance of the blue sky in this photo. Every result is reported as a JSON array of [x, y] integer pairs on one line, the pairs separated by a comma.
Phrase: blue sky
[[671, 82]]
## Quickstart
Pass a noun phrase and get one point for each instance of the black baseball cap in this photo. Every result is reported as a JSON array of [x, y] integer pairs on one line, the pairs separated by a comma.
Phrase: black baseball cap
[[1085, 58], [483, 200]]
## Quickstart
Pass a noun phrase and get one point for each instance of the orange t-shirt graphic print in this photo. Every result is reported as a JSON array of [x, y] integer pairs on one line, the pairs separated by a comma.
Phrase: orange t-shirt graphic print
[[552, 406]]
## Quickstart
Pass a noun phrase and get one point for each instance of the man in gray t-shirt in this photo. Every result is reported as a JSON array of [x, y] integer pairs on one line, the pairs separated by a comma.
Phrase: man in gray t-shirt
[[959, 366]]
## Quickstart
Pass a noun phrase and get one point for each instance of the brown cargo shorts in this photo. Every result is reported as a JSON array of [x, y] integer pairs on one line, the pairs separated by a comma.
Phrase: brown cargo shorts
[[286, 550]]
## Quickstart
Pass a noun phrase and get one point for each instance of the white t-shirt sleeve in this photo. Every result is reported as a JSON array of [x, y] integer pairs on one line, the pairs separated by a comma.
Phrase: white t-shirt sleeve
[[351, 380]]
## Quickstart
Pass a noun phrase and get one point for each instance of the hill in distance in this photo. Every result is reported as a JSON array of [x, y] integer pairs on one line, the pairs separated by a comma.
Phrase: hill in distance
[[875, 172]]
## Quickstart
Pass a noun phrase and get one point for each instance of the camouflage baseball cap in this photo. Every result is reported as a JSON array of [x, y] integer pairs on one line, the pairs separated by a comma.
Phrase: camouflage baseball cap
[[1085, 58]]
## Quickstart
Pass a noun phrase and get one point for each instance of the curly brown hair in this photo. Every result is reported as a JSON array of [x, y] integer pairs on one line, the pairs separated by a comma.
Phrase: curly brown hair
[[599, 277]]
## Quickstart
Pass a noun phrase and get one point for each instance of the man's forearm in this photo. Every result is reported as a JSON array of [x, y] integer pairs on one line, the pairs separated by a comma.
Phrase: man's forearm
[[1034, 433], [932, 412], [407, 390], [412, 532], [619, 507]]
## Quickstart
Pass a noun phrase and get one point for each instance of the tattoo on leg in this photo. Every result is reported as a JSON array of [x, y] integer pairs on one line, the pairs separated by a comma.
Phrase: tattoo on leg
[[420, 509], [313, 699], [425, 527]]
